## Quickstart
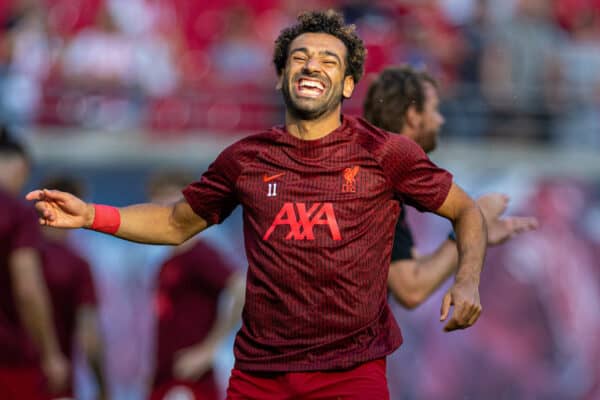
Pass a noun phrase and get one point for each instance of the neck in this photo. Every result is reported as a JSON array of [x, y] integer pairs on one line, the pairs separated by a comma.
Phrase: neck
[[315, 128]]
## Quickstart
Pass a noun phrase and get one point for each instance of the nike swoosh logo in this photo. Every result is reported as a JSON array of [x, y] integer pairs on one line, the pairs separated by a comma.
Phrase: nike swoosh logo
[[267, 178]]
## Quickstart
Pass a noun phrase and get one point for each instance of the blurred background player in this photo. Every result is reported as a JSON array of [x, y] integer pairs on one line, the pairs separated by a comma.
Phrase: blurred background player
[[405, 101], [73, 296], [30, 356], [199, 300]]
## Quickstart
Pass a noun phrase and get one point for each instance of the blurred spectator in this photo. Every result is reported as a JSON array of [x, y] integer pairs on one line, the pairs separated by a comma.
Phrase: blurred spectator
[[199, 299], [31, 362], [27, 53], [577, 100], [238, 57], [104, 55], [515, 71], [73, 295], [465, 108]]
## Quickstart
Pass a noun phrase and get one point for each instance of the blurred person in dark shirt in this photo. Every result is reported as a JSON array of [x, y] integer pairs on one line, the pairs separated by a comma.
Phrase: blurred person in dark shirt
[[404, 100], [199, 300], [321, 195], [73, 295], [30, 356]]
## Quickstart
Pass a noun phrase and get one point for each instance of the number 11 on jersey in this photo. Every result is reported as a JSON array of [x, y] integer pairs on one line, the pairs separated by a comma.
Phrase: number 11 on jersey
[[272, 190]]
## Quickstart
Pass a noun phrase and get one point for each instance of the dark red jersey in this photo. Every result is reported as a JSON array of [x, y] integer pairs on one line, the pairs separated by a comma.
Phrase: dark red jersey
[[70, 286], [19, 228], [187, 297], [319, 219]]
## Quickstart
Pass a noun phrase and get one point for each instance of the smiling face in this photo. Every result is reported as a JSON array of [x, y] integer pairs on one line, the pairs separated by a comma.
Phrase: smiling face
[[313, 81]]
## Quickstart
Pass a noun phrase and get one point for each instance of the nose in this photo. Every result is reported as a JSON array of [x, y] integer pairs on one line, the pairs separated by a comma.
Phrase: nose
[[311, 65]]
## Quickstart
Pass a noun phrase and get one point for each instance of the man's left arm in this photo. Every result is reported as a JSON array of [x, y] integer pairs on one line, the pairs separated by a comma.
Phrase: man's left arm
[[471, 238], [192, 362]]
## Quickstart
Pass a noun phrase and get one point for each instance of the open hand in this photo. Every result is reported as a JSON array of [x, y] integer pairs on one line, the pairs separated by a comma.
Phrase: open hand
[[500, 229], [464, 296], [61, 210]]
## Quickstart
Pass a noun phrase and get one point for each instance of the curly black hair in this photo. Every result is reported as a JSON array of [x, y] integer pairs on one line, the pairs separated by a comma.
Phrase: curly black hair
[[331, 22], [392, 93]]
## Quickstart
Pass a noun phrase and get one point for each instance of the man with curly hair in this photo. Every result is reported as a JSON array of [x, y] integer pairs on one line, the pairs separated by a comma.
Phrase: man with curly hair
[[320, 196]]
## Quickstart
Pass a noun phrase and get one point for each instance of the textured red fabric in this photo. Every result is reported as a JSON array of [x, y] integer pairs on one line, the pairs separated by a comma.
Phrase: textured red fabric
[[70, 286], [189, 285], [204, 389], [319, 219], [22, 384], [19, 228], [107, 219], [367, 381]]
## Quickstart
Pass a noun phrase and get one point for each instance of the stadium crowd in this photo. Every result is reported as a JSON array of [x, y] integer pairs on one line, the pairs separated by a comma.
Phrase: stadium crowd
[[518, 69]]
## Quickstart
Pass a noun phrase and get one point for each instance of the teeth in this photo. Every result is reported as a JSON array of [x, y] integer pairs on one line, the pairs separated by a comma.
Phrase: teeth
[[311, 84]]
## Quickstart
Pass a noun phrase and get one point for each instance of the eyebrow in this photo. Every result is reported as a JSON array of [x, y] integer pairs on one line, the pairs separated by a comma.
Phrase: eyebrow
[[324, 52]]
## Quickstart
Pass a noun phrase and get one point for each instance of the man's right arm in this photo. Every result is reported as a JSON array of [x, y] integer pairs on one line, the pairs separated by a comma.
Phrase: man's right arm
[[143, 223], [33, 306]]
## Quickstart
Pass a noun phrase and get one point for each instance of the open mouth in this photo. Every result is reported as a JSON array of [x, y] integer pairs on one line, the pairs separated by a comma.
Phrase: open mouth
[[307, 87]]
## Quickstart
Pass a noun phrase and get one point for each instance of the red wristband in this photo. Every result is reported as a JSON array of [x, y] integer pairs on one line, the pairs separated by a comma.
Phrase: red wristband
[[107, 219]]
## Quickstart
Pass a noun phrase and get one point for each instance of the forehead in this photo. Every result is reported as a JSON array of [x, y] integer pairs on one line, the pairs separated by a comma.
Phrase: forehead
[[431, 93], [319, 42]]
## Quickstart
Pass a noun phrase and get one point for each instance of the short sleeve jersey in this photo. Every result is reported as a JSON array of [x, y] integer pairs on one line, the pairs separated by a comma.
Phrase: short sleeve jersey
[[186, 302], [19, 229], [70, 286], [319, 221]]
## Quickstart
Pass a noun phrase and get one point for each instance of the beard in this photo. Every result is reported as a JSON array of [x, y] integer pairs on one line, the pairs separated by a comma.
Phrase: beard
[[305, 108], [428, 139]]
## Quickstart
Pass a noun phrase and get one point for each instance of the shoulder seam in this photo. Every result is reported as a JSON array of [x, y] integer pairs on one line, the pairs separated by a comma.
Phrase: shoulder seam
[[277, 135]]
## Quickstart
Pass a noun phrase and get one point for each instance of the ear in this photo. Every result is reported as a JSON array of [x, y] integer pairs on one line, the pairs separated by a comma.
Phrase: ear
[[413, 117], [348, 86], [279, 84]]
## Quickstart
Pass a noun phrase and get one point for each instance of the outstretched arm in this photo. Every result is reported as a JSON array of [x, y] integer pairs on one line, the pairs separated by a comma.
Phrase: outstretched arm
[[143, 223], [413, 280]]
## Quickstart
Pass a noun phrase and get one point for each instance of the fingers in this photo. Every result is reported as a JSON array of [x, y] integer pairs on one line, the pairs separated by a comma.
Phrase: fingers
[[465, 315], [35, 195], [493, 205], [524, 224], [48, 195], [47, 216], [446, 303]]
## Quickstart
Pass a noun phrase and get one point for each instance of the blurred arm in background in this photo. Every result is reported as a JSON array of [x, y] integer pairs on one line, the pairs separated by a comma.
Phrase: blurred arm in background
[[90, 341], [191, 363], [33, 306], [413, 278]]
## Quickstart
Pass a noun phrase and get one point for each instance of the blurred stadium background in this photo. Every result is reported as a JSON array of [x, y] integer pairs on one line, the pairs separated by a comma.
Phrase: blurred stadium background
[[112, 90]]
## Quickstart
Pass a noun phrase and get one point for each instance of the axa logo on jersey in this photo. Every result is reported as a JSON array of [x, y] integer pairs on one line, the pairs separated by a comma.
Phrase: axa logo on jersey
[[302, 220]]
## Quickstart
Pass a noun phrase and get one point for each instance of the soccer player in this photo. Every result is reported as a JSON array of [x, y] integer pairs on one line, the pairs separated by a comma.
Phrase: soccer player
[[199, 301], [30, 357], [73, 295], [406, 101], [321, 196]]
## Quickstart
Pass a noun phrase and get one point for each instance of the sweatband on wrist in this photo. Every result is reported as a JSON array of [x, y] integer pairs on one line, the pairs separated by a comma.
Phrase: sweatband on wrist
[[107, 219]]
